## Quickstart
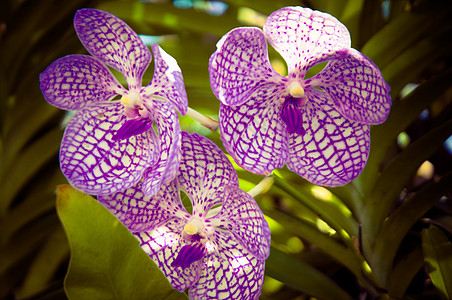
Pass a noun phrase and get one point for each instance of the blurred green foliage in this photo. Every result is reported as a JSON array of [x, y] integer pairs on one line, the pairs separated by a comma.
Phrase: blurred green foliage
[[386, 234]]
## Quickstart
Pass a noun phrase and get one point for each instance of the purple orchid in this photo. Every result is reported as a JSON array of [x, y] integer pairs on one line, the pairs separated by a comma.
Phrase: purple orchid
[[318, 126], [219, 250], [109, 144]]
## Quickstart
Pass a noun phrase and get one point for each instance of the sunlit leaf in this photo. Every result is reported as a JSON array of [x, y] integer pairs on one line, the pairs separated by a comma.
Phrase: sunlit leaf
[[106, 260], [302, 276], [438, 257]]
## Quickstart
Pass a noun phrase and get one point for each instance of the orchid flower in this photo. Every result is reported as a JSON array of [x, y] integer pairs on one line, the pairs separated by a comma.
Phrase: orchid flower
[[219, 250], [318, 126], [110, 144]]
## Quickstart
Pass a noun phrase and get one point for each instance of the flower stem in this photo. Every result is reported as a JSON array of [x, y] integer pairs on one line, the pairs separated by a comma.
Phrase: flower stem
[[263, 186], [203, 119]]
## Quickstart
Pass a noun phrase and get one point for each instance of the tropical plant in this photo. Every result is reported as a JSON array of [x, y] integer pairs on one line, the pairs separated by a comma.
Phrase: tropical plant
[[386, 234]]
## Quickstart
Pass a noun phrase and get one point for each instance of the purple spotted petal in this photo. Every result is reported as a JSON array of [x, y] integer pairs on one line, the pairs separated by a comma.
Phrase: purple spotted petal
[[302, 36], [140, 213], [230, 273], [240, 65], [357, 87], [92, 162], [163, 245], [166, 168], [241, 216], [74, 81], [254, 133], [204, 172], [167, 81], [111, 40], [333, 150]]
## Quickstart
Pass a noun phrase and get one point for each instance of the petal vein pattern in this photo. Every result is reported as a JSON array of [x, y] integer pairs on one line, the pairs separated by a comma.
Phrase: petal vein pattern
[[124, 127], [333, 150], [254, 134], [112, 41], [267, 120], [240, 65], [92, 162], [302, 36], [74, 81], [215, 257]]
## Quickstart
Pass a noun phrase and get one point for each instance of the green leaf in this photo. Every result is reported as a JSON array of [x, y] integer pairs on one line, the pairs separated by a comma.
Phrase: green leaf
[[302, 276], [404, 272], [438, 257], [402, 114], [402, 219], [106, 260], [332, 210]]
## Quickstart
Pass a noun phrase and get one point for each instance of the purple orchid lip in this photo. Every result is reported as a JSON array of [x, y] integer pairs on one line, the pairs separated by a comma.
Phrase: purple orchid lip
[[214, 253], [109, 145], [318, 127]]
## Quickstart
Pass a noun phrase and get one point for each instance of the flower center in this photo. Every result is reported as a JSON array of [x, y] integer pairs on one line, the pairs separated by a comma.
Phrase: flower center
[[291, 112], [190, 253], [195, 226], [296, 90], [132, 100]]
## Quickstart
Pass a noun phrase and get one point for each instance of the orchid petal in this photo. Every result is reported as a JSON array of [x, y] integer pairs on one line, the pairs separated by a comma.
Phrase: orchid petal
[[169, 135], [230, 273], [140, 213], [254, 133], [163, 245], [74, 81], [357, 88], [302, 36], [204, 172], [92, 162], [240, 65], [333, 150], [242, 217], [167, 81], [111, 40]]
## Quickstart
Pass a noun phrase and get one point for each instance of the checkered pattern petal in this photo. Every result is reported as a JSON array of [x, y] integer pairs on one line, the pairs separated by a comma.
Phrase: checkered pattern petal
[[230, 273], [167, 81], [94, 163], [74, 81], [253, 133], [302, 36], [204, 172], [333, 150], [140, 213], [111, 40], [241, 216], [356, 86], [165, 169], [240, 65], [163, 245]]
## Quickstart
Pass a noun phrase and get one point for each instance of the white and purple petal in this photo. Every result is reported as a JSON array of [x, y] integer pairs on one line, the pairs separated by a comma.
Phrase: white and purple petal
[[253, 133], [167, 81], [303, 36], [93, 162], [166, 168], [242, 217], [111, 40], [204, 172], [356, 86], [140, 213], [163, 245], [74, 81], [229, 273], [333, 150], [240, 65]]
